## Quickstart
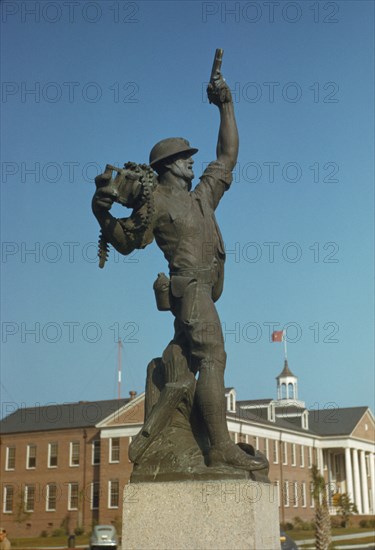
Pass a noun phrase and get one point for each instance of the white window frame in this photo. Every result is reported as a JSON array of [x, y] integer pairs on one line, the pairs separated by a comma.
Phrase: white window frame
[[50, 456], [303, 496], [266, 447], [277, 485], [7, 467], [70, 487], [72, 443], [95, 444], [26, 497], [111, 461], [286, 493], [110, 482], [8, 488], [294, 463], [312, 503], [295, 494], [310, 457], [48, 488], [93, 484], [28, 467], [302, 456], [285, 453], [275, 451]]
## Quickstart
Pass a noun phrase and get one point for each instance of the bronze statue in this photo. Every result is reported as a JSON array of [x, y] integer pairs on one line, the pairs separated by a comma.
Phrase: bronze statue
[[185, 434]]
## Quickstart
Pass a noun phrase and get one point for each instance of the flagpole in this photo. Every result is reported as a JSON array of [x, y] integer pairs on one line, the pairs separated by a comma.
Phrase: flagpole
[[284, 340]]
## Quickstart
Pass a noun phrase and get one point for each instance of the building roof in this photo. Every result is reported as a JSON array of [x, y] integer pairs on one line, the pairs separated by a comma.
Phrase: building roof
[[254, 402], [286, 371], [60, 416], [335, 421]]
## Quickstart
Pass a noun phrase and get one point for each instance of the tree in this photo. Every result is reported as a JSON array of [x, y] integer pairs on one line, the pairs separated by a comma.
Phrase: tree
[[322, 522], [21, 514], [345, 507]]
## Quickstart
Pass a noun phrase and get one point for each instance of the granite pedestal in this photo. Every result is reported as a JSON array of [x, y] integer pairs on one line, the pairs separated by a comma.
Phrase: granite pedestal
[[200, 515]]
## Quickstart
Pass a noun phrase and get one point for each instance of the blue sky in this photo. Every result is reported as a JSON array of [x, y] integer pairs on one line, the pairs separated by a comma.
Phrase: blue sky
[[89, 83]]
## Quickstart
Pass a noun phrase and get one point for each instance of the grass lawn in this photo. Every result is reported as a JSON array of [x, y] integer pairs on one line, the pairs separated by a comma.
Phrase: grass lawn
[[298, 534], [42, 542], [303, 535]]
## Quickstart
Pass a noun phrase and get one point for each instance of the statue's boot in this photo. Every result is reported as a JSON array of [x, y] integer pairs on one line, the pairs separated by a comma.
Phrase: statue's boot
[[230, 454], [212, 404]]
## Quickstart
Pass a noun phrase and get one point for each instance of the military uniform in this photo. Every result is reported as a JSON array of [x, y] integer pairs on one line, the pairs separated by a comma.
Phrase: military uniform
[[186, 231]]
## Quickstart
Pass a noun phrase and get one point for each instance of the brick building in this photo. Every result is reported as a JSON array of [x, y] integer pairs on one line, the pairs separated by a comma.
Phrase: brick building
[[66, 465]]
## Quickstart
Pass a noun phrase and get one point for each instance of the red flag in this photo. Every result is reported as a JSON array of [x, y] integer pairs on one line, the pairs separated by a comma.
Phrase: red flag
[[277, 336]]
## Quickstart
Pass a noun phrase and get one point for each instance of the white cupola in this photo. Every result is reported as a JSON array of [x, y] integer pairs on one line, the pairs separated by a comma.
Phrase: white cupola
[[287, 384]]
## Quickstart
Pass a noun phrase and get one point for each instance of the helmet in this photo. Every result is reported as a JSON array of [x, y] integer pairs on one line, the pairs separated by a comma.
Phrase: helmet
[[169, 147]]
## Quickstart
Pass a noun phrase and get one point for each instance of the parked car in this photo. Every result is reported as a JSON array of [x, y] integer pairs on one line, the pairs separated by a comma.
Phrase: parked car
[[286, 542], [103, 536]]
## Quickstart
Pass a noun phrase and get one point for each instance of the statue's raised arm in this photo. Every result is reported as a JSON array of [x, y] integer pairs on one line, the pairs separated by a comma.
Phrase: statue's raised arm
[[219, 93]]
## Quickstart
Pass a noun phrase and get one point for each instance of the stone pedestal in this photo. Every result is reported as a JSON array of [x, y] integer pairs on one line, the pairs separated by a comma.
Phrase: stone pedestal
[[200, 515]]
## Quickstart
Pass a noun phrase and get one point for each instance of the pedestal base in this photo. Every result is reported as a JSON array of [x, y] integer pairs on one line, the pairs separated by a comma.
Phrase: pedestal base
[[201, 516]]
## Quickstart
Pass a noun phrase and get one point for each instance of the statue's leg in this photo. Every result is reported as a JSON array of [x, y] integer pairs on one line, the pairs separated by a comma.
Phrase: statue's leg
[[205, 337]]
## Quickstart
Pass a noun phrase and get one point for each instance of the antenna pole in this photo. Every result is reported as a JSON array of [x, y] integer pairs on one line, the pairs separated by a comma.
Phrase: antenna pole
[[119, 368]]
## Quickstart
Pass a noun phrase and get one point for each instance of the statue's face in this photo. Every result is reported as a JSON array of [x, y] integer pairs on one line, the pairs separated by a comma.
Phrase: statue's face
[[182, 168]]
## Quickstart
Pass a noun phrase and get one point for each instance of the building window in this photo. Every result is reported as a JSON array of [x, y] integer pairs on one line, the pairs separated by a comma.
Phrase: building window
[[293, 454], [305, 421], [114, 449], [74, 453], [52, 455], [295, 494], [10, 459], [285, 452], [73, 496], [283, 391], [51, 495], [265, 447], [95, 494], [96, 452], [311, 495], [232, 407], [29, 498], [277, 484], [286, 493], [303, 495], [302, 456], [310, 460], [8, 499], [114, 492], [31, 457], [275, 452]]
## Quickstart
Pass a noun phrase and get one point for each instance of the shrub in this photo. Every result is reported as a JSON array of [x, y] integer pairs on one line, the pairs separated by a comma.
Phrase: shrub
[[79, 531], [43, 534], [335, 522], [287, 526], [364, 523], [58, 532]]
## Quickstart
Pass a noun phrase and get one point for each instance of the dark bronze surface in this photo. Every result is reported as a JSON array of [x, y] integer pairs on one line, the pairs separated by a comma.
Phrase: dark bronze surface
[[185, 434]]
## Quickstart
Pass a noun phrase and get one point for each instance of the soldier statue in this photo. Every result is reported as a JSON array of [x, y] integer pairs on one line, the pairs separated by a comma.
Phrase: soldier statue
[[189, 377]]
